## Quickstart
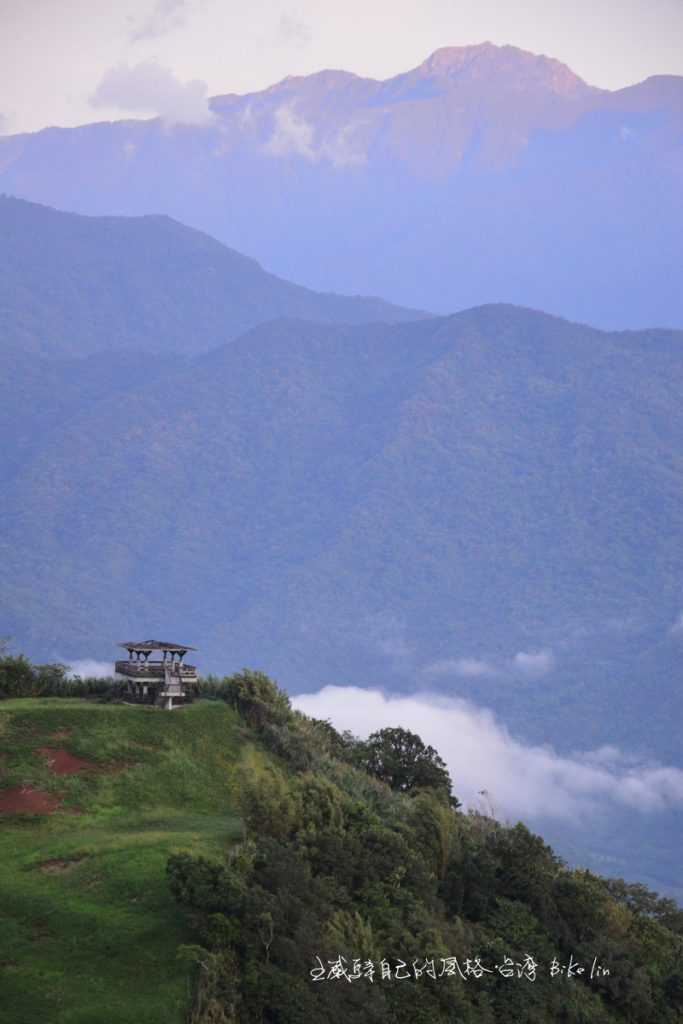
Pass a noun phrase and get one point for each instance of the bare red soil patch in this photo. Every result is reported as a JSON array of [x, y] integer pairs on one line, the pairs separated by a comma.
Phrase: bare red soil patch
[[27, 800], [61, 762], [57, 866]]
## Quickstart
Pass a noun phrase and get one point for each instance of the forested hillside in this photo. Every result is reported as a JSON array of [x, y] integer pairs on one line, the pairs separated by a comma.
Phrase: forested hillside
[[378, 501], [73, 286], [346, 849]]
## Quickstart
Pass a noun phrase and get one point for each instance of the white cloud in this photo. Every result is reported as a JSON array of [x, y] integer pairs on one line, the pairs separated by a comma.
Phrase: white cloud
[[343, 149], [87, 667], [520, 781], [608, 755], [468, 667], [292, 134], [147, 88], [534, 663]]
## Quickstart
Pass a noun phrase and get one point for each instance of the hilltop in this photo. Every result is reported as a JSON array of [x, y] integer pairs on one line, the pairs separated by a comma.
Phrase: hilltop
[[89, 933], [218, 855]]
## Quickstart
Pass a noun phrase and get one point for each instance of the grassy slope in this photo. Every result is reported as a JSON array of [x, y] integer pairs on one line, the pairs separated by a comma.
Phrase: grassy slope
[[97, 943]]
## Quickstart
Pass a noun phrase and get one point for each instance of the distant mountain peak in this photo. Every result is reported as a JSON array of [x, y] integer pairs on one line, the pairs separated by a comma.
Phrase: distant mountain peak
[[448, 58], [482, 61], [328, 76]]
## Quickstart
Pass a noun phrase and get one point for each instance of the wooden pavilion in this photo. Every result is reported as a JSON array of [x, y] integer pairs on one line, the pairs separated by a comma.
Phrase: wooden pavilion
[[165, 681]]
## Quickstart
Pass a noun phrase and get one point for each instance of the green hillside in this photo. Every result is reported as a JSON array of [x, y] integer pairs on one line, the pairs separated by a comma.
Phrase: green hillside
[[205, 866], [88, 933]]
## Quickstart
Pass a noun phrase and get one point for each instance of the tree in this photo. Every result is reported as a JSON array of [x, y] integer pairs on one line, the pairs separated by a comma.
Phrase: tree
[[400, 758], [258, 699], [17, 677]]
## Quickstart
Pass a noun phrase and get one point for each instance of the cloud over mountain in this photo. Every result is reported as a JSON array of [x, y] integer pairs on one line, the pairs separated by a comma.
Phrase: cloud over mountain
[[148, 86], [482, 170], [521, 781], [291, 134]]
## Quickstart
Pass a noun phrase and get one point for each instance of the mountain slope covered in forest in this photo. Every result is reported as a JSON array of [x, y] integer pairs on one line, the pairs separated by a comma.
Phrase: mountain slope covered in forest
[[482, 506], [73, 286], [379, 501], [344, 849]]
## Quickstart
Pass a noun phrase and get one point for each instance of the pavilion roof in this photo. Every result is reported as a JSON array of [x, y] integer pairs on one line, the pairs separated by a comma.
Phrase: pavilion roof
[[154, 645]]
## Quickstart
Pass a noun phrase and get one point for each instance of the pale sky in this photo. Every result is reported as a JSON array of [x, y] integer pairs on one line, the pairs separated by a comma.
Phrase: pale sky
[[55, 53]]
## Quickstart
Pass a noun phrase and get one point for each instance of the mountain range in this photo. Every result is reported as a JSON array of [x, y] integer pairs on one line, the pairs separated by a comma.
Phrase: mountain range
[[485, 174], [484, 505]]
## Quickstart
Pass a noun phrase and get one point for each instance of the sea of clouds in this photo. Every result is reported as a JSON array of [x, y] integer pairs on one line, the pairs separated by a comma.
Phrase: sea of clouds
[[494, 772]]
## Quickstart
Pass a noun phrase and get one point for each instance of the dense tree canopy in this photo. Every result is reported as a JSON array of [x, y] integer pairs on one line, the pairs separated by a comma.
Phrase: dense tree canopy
[[354, 857], [400, 758]]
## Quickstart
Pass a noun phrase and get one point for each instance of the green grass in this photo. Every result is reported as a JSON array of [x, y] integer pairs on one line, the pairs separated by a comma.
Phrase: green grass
[[97, 943]]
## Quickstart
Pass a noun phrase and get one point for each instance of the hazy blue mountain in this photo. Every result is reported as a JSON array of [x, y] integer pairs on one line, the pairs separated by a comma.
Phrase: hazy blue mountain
[[485, 174], [74, 285], [374, 500], [486, 504]]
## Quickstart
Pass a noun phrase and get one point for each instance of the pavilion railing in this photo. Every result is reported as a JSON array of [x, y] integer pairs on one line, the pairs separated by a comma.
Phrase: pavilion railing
[[152, 669]]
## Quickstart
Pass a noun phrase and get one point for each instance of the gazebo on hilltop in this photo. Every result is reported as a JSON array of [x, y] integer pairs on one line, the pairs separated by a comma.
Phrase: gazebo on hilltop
[[165, 681]]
